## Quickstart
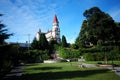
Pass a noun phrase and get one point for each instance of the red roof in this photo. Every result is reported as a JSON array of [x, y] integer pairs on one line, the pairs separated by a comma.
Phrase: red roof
[[55, 19]]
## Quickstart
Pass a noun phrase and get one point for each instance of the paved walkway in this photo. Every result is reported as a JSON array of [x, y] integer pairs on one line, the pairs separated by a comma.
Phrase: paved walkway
[[14, 74], [116, 69]]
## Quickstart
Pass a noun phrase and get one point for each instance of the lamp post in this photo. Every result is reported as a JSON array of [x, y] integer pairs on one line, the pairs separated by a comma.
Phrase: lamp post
[[70, 57], [28, 41]]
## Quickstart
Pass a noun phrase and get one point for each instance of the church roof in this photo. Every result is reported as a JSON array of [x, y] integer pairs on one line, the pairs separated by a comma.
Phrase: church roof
[[55, 19]]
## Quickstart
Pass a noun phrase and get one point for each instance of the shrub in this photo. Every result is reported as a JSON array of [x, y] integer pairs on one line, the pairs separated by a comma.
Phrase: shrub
[[115, 53], [64, 53], [88, 57], [45, 54], [69, 53], [75, 54], [8, 57], [93, 56], [36, 55]]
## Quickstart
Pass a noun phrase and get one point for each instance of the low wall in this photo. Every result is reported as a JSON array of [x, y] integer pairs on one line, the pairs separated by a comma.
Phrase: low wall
[[51, 61]]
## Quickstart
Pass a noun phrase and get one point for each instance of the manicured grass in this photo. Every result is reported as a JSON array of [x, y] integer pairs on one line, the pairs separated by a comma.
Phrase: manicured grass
[[66, 71]]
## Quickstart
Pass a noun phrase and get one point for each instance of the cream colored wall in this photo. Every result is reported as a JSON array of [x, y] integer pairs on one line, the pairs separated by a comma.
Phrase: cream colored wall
[[48, 36], [37, 36]]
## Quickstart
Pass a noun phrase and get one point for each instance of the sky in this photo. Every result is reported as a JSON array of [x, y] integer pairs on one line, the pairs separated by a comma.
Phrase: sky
[[25, 17]]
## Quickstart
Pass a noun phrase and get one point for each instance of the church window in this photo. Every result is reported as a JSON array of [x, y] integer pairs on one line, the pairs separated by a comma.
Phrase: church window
[[57, 33]]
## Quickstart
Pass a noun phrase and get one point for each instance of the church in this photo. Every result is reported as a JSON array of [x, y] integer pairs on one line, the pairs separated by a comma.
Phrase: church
[[51, 34]]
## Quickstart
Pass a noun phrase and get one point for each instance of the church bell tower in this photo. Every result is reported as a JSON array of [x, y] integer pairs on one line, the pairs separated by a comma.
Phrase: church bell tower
[[56, 30]]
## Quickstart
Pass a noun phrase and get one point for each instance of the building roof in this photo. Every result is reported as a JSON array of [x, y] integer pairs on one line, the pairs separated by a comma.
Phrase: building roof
[[55, 19], [39, 31]]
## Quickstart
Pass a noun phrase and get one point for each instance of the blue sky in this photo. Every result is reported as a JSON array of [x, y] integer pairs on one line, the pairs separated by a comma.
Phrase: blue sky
[[23, 17]]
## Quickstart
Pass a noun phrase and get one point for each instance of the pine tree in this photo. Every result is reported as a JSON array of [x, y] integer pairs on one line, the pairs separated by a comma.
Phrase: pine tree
[[34, 44], [3, 32], [43, 43], [64, 42]]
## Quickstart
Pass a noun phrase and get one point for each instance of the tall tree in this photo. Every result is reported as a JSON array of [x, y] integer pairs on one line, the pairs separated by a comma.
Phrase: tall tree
[[34, 44], [97, 26], [64, 42], [118, 32], [43, 43], [3, 32], [83, 35], [52, 45]]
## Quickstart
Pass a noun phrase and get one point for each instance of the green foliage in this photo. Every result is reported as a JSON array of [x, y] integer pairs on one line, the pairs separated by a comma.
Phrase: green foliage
[[9, 56], [68, 53], [97, 28], [3, 33], [91, 50], [53, 45], [36, 55], [74, 46], [75, 53], [115, 53], [88, 57], [42, 44], [80, 40], [99, 43], [31, 55], [100, 53], [93, 56], [34, 44], [64, 53], [64, 42], [45, 56]]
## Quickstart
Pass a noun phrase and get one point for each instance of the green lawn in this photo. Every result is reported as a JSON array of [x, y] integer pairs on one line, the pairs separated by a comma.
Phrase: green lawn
[[66, 71]]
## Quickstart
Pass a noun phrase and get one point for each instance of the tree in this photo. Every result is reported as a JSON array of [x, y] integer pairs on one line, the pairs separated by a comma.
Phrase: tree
[[64, 42], [3, 32], [43, 43], [117, 32], [52, 45], [52, 42], [97, 26], [74, 46], [34, 44], [83, 35]]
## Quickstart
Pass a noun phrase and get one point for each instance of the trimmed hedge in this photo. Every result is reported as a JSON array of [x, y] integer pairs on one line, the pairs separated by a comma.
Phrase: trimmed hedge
[[32, 56], [67, 53]]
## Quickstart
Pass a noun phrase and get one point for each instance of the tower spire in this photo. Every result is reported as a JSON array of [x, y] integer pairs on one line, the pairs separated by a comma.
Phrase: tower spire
[[55, 19], [39, 31]]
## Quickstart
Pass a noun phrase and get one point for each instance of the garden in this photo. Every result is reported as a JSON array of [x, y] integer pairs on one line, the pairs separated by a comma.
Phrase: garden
[[66, 71]]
